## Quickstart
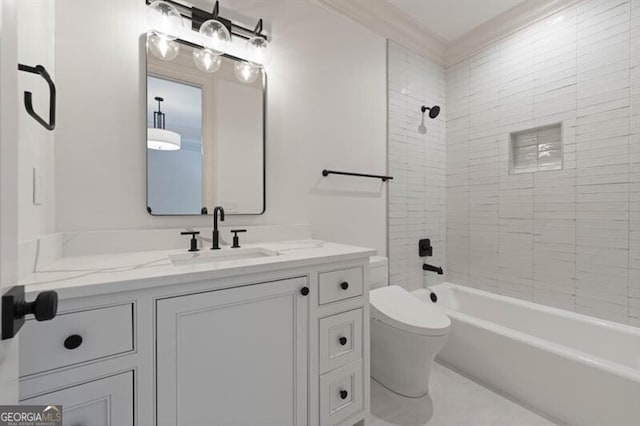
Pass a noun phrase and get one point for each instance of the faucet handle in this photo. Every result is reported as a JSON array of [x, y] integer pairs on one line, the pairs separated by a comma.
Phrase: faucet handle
[[236, 240], [194, 240]]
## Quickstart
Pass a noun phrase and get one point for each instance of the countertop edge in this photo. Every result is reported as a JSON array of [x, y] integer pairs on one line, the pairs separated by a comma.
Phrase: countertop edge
[[80, 290]]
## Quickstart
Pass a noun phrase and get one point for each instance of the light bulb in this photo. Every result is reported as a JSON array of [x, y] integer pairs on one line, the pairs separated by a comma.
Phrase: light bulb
[[206, 60], [246, 72], [258, 51], [215, 36], [162, 47], [164, 19]]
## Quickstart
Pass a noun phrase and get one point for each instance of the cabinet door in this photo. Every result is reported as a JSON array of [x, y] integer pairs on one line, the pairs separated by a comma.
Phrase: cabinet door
[[233, 357], [103, 402]]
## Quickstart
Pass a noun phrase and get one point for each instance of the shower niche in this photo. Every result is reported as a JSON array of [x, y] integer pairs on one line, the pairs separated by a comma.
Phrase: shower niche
[[535, 150]]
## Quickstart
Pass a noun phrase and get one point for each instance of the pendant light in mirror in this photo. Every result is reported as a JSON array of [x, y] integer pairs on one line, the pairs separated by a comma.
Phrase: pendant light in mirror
[[158, 137], [165, 22], [246, 72]]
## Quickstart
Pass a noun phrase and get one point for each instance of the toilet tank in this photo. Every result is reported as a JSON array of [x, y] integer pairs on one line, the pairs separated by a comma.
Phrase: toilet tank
[[378, 272]]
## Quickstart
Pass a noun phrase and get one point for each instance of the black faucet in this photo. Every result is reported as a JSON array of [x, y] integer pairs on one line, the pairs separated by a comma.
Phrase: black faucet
[[216, 239], [431, 268]]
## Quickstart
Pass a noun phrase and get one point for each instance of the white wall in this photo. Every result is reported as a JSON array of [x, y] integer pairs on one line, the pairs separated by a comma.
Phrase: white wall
[[36, 144], [326, 109], [417, 163], [568, 238]]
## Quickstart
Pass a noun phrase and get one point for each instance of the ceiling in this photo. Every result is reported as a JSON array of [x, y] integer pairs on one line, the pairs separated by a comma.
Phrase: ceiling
[[451, 19]]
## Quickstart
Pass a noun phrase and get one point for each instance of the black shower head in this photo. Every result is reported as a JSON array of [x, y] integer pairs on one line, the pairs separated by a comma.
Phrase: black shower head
[[434, 111]]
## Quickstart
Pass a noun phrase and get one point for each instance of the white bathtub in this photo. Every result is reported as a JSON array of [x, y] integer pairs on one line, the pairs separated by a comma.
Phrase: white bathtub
[[577, 369]]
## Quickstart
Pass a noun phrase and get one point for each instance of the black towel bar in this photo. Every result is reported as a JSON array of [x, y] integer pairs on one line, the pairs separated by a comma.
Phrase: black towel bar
[[326, 172]]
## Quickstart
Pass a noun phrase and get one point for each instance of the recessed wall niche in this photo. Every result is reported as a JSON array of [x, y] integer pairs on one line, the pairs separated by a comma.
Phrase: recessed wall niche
[[535, 150]]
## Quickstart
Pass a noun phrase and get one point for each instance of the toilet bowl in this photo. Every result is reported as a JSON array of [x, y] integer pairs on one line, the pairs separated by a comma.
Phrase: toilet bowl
[[406, 336]]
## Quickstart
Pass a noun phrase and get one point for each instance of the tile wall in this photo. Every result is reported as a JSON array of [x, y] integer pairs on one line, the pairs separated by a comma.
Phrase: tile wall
[[417, 163], [567, 238]]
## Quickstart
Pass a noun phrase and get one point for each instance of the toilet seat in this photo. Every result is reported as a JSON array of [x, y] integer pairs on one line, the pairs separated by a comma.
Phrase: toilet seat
[[398, 308]]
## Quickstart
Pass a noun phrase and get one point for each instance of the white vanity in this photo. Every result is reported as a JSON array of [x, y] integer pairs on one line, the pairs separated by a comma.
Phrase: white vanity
[[274, 335]]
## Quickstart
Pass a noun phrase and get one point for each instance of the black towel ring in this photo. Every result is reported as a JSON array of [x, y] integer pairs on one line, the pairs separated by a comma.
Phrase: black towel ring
[[28, 96]]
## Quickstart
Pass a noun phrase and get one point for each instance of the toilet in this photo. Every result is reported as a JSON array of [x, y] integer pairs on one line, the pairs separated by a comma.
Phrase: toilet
[[406, 334]]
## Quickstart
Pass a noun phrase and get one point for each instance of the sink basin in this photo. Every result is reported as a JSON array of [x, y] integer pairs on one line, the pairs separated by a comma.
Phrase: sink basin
[[224, 255]]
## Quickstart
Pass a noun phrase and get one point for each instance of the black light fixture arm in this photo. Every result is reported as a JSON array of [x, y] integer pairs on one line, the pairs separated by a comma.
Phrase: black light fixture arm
[[199, 16], [28, 96]]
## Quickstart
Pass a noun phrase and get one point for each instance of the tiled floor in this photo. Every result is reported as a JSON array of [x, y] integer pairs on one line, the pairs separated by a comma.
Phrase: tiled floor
[[454, 401]]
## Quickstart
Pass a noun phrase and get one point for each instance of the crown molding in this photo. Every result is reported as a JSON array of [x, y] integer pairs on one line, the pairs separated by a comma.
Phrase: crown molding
[[385, 19], [503, 25]]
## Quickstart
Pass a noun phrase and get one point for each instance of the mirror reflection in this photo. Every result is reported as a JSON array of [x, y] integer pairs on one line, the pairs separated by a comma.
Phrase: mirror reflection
[[205, 137]]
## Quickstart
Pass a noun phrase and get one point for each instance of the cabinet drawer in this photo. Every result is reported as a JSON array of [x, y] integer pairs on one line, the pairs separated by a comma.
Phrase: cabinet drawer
[[75, 337], [341, 394], [339, 285], [340, 340], [103, 402]]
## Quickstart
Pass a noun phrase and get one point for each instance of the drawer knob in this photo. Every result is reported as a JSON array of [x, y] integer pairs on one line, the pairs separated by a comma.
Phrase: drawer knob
[[344, 285], [73, 342], [344, 394], [304, 291], [343, 341]]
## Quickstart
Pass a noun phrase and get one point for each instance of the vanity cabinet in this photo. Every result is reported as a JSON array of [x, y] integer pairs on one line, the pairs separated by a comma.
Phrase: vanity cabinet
[[234, 357], [278, 346]]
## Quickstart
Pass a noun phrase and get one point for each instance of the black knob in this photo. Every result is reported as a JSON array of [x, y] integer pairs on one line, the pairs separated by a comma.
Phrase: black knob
[[344, 394], [73, 341], [44, 308], [343, 341], [304, 291], [344, 285], [15, 308]]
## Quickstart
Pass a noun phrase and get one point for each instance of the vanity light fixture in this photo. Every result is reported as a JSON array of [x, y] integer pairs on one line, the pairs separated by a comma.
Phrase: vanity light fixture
[[246, 72], [161, 47], [165, 22], [158, 137], [166, 19], [206, 60], [215, 36], [258, 51]]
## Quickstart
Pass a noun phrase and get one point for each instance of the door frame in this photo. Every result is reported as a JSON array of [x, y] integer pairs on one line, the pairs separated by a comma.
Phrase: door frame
[[9, 110]]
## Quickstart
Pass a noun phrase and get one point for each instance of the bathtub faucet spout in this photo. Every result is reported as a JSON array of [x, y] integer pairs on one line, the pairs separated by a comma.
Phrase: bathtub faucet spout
[[430, 268]]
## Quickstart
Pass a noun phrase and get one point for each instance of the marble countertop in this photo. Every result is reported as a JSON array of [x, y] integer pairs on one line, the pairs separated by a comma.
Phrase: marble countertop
[[82, 276]]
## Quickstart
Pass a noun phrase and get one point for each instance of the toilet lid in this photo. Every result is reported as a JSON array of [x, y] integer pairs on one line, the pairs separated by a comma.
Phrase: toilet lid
[[400, 309]]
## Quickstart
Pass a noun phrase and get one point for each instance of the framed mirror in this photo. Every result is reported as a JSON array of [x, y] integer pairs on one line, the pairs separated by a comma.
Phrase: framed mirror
[[205, 137]]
